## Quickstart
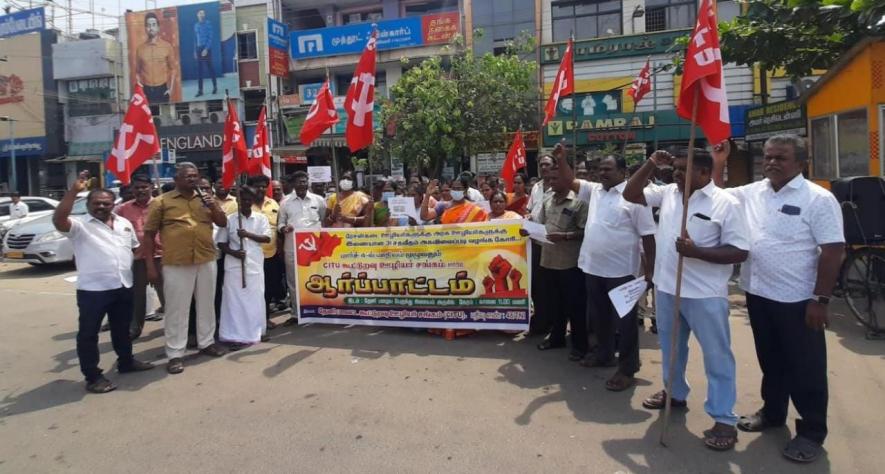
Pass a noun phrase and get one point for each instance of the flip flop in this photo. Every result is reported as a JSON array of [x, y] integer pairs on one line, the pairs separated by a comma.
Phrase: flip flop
[[619, 382], [721, 437], [802, 450]]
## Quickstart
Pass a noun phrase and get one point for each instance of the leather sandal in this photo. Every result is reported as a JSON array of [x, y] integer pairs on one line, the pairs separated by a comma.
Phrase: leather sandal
[[756, 422], [721, 437], [175, 366], [802, 450], [100, 385], [658, 400], [620, 382]]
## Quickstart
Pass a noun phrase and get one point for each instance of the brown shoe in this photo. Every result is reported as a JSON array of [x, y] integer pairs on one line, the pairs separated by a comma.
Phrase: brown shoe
[[100, 385], [135, 366], [175, 366], [658, 400], [215, 350]]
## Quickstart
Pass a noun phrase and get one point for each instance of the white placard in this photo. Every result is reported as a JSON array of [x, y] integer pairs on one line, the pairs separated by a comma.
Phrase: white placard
[[402, 206], [624, 297], [484, 205], [537, 232], [319, 174]]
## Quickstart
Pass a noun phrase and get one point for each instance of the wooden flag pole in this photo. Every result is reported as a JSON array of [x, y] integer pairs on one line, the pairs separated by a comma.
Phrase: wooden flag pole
[[686, 194], [239, 202]]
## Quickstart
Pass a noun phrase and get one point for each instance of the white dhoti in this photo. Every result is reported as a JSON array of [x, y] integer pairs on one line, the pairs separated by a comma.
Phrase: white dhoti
[[242, 309]]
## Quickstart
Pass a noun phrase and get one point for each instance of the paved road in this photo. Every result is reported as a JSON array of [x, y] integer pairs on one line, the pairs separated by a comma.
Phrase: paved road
[[335, 399]]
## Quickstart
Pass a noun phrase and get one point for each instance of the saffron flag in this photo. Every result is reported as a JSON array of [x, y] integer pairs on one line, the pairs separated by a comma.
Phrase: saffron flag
[[320, 117], [702, 78], [515, 161], [563, 85], [360, 99], [642, 84], [136, 140], [234, 155]]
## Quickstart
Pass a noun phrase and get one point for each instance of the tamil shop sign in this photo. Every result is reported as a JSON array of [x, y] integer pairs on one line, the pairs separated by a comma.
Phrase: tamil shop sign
[[278, 47], [621, 46], [772, 119], [392, 34], [25, 21]]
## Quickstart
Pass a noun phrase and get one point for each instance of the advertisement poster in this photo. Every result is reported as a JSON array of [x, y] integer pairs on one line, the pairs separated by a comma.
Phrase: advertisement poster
[[183, 54], [278, 47], [466, 276], [21, 95]]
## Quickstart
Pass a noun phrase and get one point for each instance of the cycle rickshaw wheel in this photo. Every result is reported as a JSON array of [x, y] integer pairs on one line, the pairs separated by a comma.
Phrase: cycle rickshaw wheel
[[863, 286]]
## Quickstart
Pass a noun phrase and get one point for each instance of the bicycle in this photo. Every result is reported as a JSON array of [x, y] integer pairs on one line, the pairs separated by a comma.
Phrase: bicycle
[[862, 282]]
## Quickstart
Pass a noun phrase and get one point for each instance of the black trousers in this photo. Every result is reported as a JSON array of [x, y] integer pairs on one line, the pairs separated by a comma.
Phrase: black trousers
[[541, 320], [568, 307], [273, 283], [793, 359], [93, 306], [139, 294], [605, 321], [205, 62]]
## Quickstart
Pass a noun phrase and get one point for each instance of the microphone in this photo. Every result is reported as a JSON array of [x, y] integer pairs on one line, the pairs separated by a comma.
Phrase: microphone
[[200, 194]]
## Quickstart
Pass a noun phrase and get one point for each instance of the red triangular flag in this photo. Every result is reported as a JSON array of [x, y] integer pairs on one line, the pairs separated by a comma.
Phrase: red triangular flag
[[514, 162], [313, 248], [235, 158], [642, 83], [360, 100], [703, 69], [136, 140], [320, 117], [259, 153], [563, 85]]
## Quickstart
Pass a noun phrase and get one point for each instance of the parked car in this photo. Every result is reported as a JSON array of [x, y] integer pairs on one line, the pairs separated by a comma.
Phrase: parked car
[[37, 242], [37, 207]]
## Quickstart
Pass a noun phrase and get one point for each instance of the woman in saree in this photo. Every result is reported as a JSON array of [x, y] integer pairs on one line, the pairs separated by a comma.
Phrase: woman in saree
[[460, 210], [349, 208], [518, 200], [499, 207]]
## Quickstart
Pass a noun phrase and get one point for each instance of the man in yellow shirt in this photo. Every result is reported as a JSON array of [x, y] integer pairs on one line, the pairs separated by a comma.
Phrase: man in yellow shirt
[[227, 202], [274, 269], [155, 63]]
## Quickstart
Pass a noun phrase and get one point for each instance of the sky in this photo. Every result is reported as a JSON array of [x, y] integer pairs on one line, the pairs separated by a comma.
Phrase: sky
[[107, 11]]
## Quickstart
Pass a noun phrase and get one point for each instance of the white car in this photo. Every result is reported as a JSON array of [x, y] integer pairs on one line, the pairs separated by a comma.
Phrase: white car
[[37, 242], [37, 207]]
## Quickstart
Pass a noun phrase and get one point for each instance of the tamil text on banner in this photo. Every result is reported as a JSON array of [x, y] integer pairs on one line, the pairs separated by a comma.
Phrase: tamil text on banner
[[469, 276]]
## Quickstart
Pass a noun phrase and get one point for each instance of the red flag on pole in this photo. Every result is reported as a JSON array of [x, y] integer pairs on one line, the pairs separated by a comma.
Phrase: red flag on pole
[[360, 100], [136, 140], [703, 69], [259, 153], [234, 155], [642, 83], [563, 85], [320, 117], [515, 160]]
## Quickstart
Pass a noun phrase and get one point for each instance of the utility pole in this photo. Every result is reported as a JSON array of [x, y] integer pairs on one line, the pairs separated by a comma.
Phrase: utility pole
[[13, 172]]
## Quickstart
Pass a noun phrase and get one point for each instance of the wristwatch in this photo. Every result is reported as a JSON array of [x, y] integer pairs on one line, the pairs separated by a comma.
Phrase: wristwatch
[[824, 300]]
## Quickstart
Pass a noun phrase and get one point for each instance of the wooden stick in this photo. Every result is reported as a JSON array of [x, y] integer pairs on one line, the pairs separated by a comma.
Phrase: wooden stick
[[674, 328]]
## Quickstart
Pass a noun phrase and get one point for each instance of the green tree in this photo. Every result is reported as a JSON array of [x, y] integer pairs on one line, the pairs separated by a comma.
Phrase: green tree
[[799, 35], [448, 107]]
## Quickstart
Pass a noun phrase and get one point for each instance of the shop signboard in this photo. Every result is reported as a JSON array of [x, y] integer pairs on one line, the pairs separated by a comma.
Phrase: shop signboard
[[22, 22], [617, 47], [766, 121], [278, 47]]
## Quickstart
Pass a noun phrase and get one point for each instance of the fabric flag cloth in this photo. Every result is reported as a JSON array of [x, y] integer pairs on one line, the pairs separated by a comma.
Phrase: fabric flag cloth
[[235, 158], [360, 99], [136, 140], [320, 117], [515, 161], [563, 85], [703, 73], [259, 154], [642, 83], [313, 248]]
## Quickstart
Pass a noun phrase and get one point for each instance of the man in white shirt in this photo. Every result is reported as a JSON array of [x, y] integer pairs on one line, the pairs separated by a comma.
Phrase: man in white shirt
[[609, 258], [796, 248], [103, 244], [17, 209], [541, 321], [716, 239], [301, 209]]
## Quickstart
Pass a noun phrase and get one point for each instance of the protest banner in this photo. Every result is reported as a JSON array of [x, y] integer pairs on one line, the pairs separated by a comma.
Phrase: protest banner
[[465, 276]]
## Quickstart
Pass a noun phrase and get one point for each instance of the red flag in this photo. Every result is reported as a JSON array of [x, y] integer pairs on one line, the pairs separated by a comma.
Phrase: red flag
[[703, 69], [360, 100], [514, 162], [259, 154], [136, 140], [320, 117], [235, 158], [313, 248], [563, 85], [642, 83]]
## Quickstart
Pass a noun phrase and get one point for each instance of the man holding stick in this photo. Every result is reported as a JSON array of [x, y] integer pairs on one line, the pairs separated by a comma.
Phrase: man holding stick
[[715, 239]]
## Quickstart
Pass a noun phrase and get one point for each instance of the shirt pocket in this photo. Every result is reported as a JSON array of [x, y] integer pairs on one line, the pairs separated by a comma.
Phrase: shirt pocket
[[704, 232]]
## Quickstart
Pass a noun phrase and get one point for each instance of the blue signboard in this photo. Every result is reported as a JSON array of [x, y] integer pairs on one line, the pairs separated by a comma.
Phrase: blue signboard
[[310, 91], [351, 39], [29, 146], [25, 21], [277, 34]]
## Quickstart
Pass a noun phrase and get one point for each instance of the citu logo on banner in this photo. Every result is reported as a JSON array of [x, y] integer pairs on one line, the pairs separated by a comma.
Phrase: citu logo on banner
[[136, 140]]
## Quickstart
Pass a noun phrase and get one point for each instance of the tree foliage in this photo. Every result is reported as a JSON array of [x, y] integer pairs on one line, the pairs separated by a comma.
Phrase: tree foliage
[[799, 35], [448, 107]]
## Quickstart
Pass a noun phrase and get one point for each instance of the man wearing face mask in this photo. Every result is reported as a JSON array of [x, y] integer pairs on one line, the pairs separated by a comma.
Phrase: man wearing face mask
[[386, 189], [349, 208]]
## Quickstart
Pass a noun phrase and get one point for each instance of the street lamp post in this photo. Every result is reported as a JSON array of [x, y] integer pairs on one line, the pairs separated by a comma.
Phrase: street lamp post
[[13, 176]]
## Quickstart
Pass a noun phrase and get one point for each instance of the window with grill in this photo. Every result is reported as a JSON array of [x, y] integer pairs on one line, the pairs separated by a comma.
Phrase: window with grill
[[587, 18], [661, 15], [246, 46], [413, 8]]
